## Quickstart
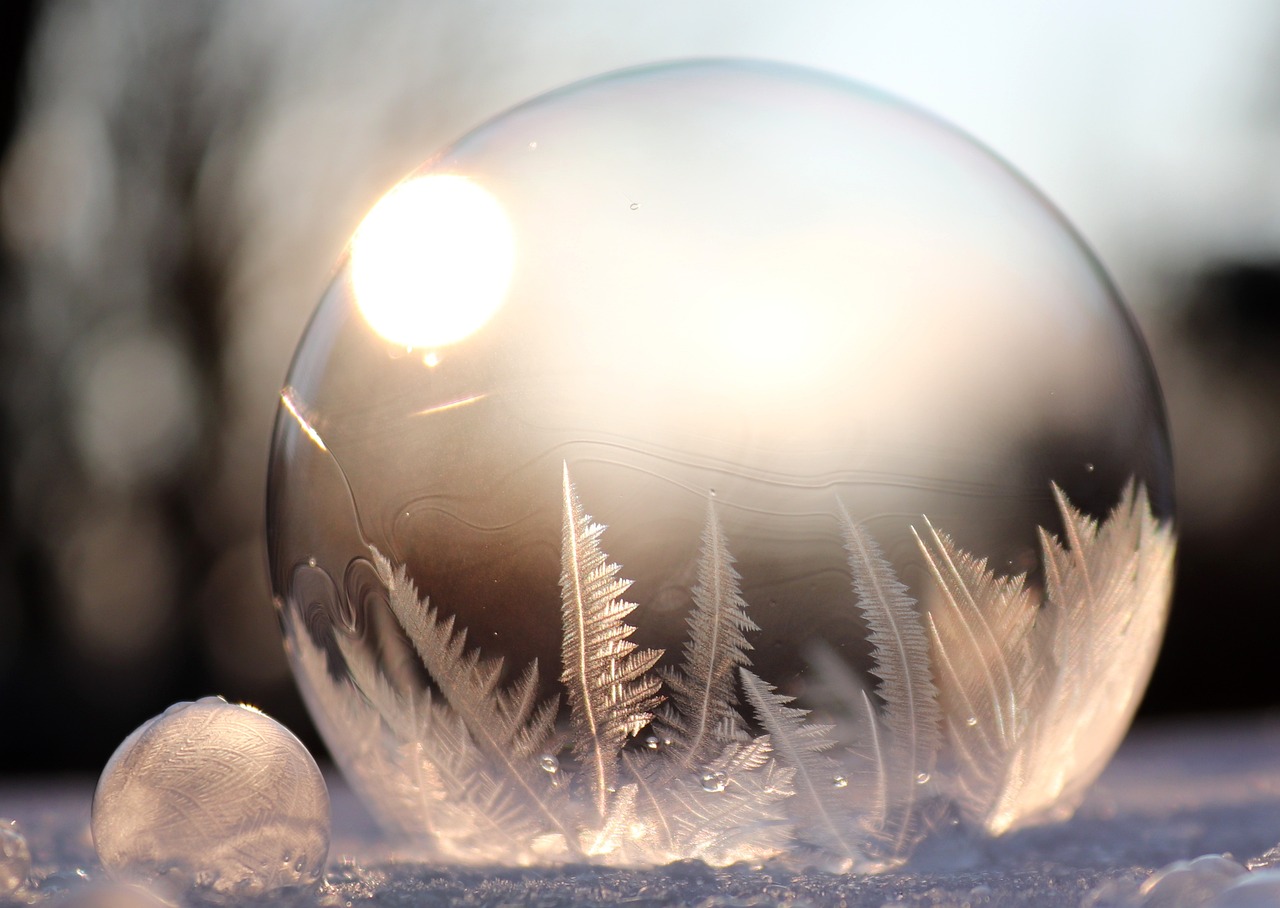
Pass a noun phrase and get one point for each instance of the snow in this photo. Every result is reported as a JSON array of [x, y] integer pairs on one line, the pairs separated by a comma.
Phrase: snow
[[1174, 793]]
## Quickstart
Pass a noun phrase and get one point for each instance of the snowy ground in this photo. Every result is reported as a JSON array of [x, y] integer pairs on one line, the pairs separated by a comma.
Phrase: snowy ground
[[1174, 792]]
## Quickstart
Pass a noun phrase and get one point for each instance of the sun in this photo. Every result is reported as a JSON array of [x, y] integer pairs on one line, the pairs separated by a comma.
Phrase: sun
[[432, 262]]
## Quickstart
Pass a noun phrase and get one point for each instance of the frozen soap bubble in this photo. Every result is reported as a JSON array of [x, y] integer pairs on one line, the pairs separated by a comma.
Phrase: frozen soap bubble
[[15, 858], [737, 408], [214, 801], [1188, 884]]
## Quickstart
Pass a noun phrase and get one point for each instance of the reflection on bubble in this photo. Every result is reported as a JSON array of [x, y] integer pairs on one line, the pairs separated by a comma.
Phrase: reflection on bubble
[[836, 383]]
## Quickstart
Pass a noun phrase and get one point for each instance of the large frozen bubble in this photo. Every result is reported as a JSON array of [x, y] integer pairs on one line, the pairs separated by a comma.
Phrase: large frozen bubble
[[722, 461], [213, 800]]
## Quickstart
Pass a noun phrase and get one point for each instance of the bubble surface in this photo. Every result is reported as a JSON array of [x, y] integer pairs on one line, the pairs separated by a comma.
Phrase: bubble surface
[[745, 409], [215, 800]]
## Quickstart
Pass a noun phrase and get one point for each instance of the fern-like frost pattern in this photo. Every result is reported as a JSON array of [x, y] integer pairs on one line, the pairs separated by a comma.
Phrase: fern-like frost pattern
[[994, 699]]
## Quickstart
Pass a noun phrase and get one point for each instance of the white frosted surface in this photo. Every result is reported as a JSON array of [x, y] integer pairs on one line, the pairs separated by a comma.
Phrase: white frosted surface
[[215, 797]]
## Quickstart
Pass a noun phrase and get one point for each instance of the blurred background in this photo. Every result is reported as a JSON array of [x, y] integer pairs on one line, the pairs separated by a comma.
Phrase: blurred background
[[177, 180]]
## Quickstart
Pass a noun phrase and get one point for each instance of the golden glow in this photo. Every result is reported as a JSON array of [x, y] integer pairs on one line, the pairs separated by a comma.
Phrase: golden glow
[[432, 261]]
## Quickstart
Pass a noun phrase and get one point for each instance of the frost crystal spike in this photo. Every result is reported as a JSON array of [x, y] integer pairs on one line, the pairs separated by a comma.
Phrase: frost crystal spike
[[703, 714], [610, 693]]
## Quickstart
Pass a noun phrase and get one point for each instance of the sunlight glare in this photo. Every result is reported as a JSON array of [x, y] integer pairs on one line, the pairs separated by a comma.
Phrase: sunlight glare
[[432, 261]]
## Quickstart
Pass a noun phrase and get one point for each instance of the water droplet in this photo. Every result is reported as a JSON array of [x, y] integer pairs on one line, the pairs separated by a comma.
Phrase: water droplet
[[840, 782], [635, 205], [922, 778], [1088, 468], [714, 780], [652, 742], [549, 764], [971, 721]]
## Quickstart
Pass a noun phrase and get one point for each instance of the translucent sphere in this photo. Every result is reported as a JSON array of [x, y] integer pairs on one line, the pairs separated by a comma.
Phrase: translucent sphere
[[718, 461], [215, 801]]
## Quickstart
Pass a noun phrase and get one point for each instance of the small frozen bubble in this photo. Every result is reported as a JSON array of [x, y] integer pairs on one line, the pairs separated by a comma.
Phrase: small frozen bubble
[[215, 799], [1260, 889], [652, 742], [549, 764], [840, 782], [1189, 883], [15, 858]]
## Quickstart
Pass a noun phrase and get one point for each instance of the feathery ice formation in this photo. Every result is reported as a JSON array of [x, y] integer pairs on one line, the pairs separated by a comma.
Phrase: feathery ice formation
[[997, 704]]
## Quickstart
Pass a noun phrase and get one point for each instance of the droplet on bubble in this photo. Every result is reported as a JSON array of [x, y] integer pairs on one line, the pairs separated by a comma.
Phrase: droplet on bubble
[[213, 800], [714, 780], [882, 349]]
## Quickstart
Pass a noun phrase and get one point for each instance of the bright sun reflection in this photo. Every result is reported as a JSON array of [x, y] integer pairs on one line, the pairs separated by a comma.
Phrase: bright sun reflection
[[432, 261]]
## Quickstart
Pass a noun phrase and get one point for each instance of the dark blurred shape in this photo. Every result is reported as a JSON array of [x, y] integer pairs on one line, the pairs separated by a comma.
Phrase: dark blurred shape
[[110, 394], [1234, 311], [1222, 380], [16, 23]]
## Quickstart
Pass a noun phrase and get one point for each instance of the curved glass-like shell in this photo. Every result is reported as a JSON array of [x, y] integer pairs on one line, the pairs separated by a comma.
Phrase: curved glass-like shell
[[880, 457]]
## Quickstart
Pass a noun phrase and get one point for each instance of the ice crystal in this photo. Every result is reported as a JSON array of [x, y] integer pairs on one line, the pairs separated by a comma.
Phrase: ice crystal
[[979, 704]]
